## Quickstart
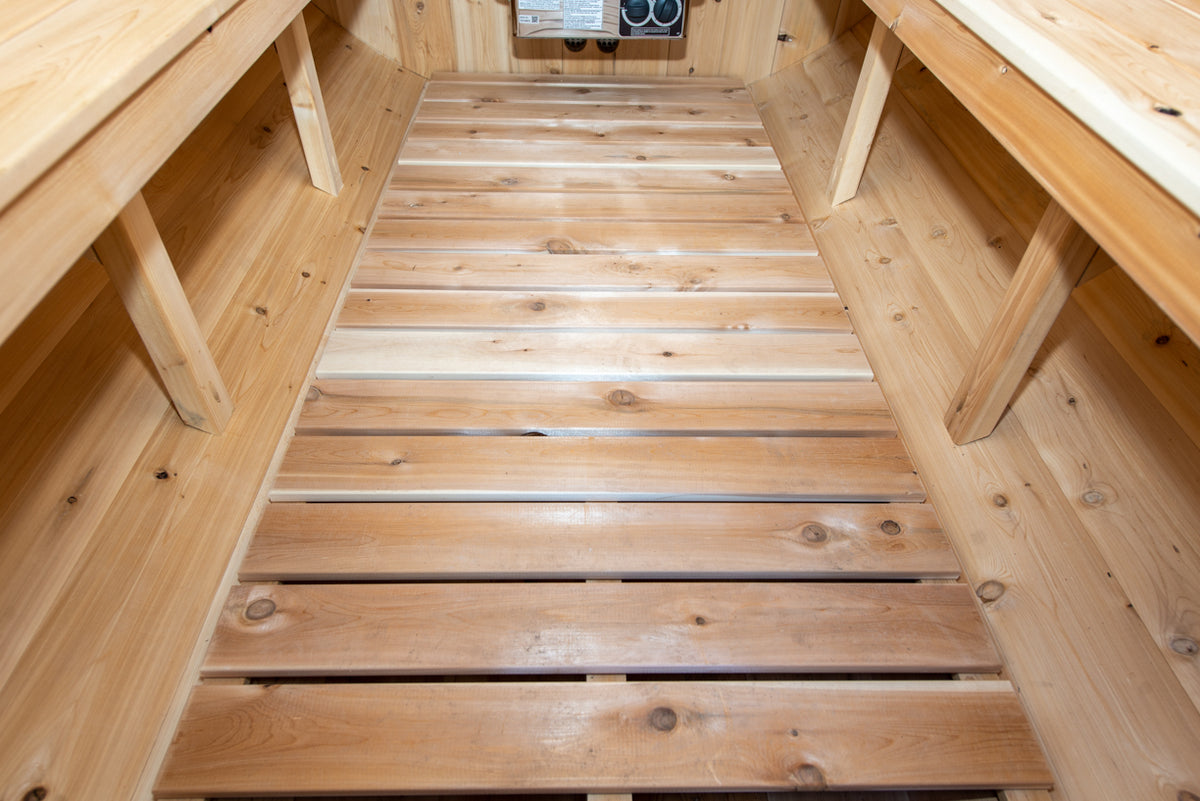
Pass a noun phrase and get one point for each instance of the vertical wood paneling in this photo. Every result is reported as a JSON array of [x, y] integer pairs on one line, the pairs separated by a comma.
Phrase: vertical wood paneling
[[426, 34], [808, 26], [482, 35], [700, 52], [750, 37]]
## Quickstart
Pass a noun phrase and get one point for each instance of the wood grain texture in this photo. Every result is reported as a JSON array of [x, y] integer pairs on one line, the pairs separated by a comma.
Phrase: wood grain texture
[[598, 627], [137, 263], [726, 311], [1051, 266], [563, 271], [149, 549], [308, 107], [599, 468], [883, 54], [777, 408], [605, 737], [472, 541], [525, 178], [995, 499], [47, 227], [593, 355]]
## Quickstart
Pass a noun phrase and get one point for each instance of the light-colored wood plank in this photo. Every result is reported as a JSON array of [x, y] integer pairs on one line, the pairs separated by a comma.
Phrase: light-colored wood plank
[[1072, 680], [776, 408], [593, 356], [883, 54], [46, 229], [686, 93], [372, 22], [606, 737], [308, 107], [715, 311], [64, 69], [805, 26], [1038, 130], [120, 560], [138, 265], [594, 152], [734, 207], [648, 112], [598, 627], [558, 236], [522, 178], [473, 541], [623, 81], [1049, 269], [748, 50], [609, 131], [596, 469], [548, 272]]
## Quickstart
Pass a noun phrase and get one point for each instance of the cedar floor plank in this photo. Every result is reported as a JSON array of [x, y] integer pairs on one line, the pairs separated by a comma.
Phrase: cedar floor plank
[[585, 236], [473, 541], [732, 95], [593, 355], [777, 408], [533, 111], [540, 178], [610, 131], [759, 207], [467, 309], [548, 272], [595, 153], [272, 630], [600, 737], [596, 469]]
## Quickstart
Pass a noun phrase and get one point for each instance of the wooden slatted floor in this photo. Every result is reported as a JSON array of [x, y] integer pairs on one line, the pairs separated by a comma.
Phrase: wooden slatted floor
[[594, 492]]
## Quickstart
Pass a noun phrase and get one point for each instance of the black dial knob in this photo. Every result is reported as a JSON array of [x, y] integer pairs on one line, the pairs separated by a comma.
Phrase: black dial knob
[[636, 11], [666, 11]]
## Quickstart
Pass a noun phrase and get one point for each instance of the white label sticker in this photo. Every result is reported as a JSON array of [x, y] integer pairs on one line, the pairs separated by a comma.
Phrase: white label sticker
[[528, 19], [583, 15], [538, 5]]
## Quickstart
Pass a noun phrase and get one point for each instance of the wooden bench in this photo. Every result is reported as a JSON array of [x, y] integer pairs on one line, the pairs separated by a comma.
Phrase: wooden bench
[[1099, 103], [97, 95]]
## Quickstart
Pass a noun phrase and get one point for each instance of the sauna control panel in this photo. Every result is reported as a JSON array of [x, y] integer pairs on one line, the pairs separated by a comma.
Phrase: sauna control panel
[[599, 19]]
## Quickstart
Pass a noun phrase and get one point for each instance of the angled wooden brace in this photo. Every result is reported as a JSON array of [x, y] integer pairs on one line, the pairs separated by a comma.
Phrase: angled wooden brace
[[300, 73]]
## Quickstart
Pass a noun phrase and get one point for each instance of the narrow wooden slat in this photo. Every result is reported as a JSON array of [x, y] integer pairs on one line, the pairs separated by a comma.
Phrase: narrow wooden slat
[[604, 737], [308, 107], [473, 541], [547, 272], [734, 207], [592, 355], [595, 151], [777, 408], [543, 79], [733, 94], [602, 627], [138, 265], [609, 131], [1057, 256], [593, 237], [883, 54], [757, 311], [649, 111], [523, 178], [601, 468]]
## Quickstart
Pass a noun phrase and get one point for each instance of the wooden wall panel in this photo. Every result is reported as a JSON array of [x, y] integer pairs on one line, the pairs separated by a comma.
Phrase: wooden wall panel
[[730, 38]]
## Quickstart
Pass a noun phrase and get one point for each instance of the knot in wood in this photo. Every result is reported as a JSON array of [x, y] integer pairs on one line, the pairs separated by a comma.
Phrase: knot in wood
[[622, 397], [1185, 646], [701, 621], [162, 474], [314, 393], [35, 794], [990, 591], [890, 527], [1187, 795], [815, 533], [663, 718], [1093, 498], [261, 609], [999, 501], [537, 305], [1164, 339], [808, 777]]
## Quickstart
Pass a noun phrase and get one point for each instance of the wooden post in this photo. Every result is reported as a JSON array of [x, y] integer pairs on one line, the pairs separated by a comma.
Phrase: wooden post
[[137, 262], [1052, 265], [883, 54], [308, 106]]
